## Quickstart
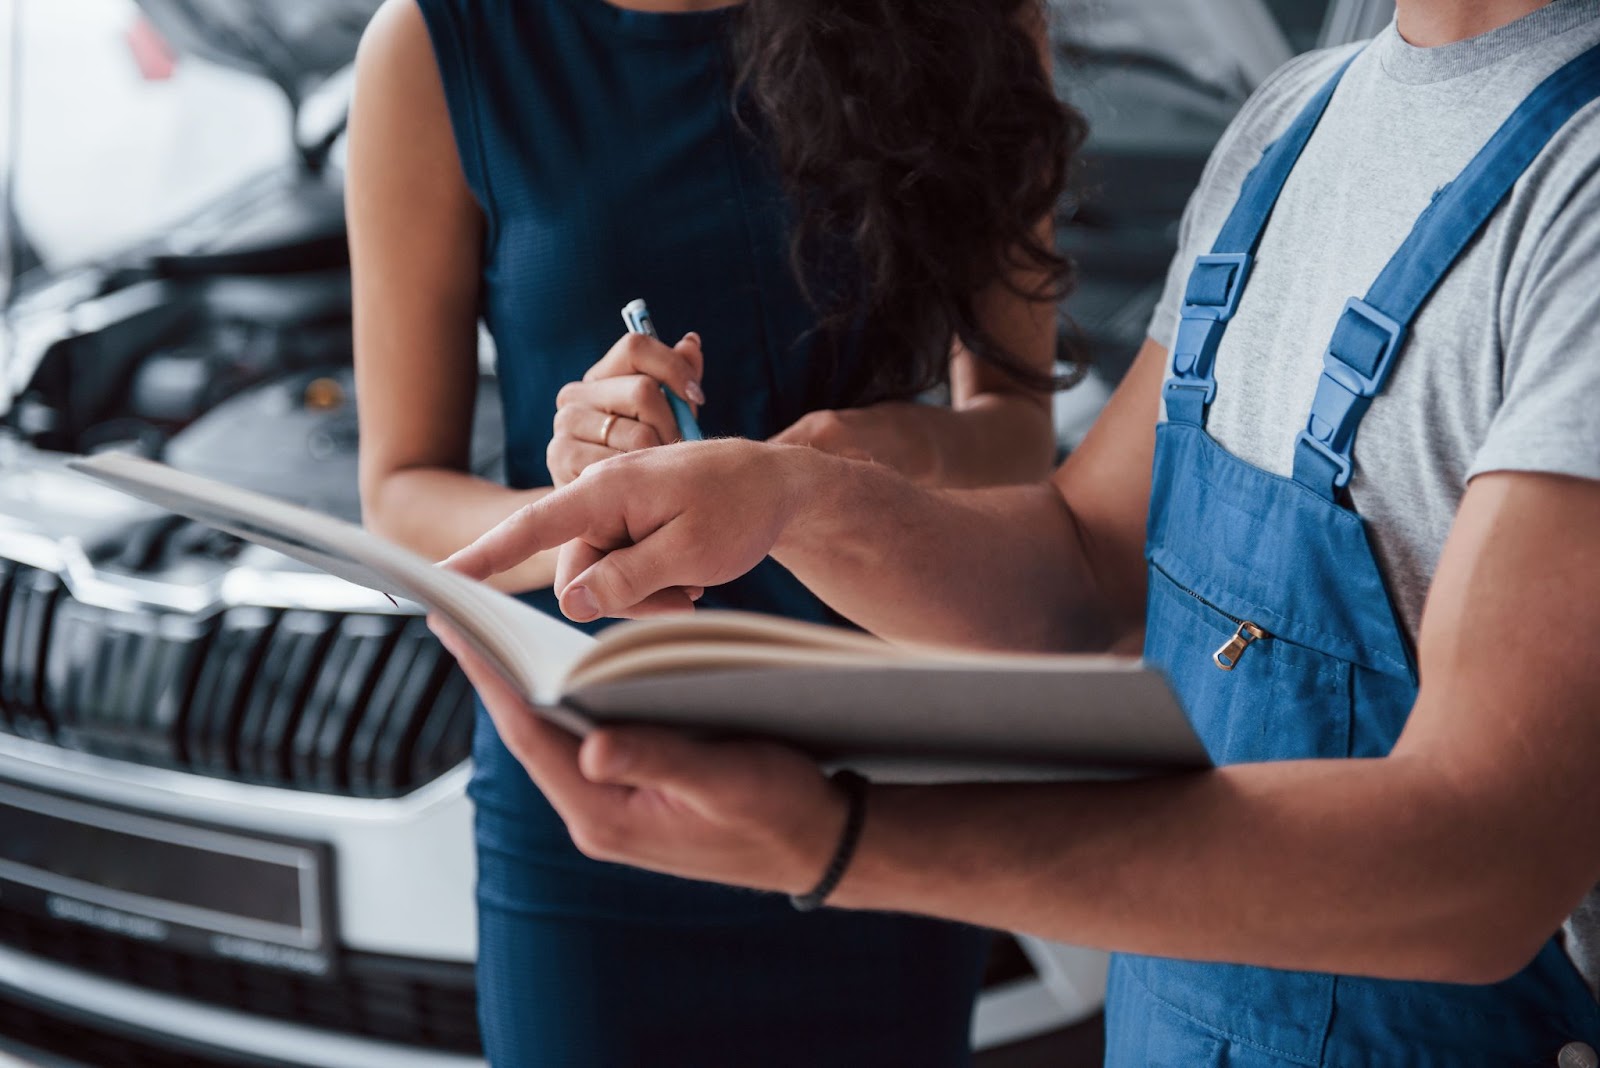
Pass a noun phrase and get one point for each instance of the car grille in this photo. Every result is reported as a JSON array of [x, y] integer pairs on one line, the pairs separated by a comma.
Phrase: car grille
[[343, 703], [420, 1004]]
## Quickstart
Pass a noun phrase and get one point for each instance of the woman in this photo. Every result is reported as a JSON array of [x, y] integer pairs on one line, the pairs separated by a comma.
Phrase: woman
[[850, 201]]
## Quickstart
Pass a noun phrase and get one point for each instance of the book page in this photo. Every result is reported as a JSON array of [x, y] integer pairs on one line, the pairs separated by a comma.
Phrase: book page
[[711, 640], [707, 639]]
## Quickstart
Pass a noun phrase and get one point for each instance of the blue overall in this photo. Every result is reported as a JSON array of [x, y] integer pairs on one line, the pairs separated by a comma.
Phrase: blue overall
[[602, 146], [1269, 613]]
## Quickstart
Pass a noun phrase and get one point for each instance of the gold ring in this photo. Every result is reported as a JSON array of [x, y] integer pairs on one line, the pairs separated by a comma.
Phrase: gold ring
[[605, 429]]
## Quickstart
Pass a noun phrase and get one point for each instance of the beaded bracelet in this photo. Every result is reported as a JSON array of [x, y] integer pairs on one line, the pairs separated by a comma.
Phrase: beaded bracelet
[[855, 789]]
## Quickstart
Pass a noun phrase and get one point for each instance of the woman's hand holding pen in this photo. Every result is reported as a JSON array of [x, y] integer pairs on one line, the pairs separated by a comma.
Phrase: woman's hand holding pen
[[618, 407]]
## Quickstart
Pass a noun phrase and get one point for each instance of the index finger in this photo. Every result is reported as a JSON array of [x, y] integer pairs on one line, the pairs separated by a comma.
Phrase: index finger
[[678, 368], [547, 523]]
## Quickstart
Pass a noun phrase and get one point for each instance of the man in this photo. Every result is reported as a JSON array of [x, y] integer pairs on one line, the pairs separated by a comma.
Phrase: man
[[1388, 645]]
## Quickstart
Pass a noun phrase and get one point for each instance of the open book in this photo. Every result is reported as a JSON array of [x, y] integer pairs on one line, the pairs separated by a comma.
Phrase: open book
[[896, 713]]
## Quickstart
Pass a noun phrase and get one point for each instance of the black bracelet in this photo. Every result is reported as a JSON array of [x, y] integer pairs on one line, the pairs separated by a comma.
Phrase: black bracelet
[[855, 789]]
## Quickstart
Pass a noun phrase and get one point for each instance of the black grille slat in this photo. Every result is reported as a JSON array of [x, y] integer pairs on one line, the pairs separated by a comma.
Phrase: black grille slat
[[130, 715], [391, 761], [8, 572], [407, 684], [323, 750], [324, 687], [74, 651], [82, 651], [12, 691], [446, 728], [179, 650], [287, 672], [31, 608], [112, 695], [223, 686]]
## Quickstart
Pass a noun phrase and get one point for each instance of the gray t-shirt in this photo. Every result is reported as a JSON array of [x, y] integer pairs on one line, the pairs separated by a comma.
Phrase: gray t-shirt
[[1502, 369]]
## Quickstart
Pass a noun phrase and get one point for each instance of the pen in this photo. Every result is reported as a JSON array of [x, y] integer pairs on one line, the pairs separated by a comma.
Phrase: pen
[[637, 316]]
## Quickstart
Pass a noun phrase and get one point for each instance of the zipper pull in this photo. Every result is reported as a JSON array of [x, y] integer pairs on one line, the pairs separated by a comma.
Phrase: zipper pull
[[1227, 658]]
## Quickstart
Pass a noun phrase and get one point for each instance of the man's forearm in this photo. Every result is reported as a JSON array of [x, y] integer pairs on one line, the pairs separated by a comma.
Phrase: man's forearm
[[1001, 568], [993, 440], [1368, 867]]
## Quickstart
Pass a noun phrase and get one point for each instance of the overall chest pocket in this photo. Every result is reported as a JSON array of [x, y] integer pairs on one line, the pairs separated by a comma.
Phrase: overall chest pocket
[[1251, 695]]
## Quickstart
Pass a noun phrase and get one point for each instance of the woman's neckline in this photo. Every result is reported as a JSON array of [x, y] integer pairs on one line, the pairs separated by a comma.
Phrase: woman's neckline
[[660, 25]]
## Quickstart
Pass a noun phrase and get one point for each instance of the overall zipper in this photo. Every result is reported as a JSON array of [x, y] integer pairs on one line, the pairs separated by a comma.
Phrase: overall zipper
[[1227, 657]]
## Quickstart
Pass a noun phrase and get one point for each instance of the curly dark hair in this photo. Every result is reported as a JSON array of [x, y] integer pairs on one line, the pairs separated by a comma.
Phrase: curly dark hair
[[926, 137]]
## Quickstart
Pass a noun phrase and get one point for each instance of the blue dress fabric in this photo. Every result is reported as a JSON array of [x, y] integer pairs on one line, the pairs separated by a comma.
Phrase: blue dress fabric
[[1335, 677], [603, 147]]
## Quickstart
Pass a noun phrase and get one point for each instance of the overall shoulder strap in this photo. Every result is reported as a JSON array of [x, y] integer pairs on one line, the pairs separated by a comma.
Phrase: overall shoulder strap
[[1371, 332], [1218, 280]]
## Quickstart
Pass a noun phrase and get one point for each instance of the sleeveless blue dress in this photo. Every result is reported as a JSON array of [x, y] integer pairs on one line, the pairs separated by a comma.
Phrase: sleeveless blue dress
[[603, 148]]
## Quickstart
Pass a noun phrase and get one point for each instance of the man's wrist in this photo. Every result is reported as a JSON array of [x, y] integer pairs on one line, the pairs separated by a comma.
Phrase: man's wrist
[[841, 824], [874, 878], [811, 481]]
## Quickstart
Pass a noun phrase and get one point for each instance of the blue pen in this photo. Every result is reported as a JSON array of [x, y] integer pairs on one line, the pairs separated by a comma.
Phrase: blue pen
[[637, 316]]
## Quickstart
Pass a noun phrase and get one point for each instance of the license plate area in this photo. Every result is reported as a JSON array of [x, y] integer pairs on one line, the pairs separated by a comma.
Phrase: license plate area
[[260, 899]]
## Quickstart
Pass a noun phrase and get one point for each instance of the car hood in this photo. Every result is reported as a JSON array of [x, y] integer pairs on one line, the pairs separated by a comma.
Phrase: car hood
[[296, 43]]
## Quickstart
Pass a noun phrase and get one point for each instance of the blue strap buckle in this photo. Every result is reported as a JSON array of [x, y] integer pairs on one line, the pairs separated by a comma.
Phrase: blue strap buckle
[[1356, 367], [1215, 286], [1194, 355]]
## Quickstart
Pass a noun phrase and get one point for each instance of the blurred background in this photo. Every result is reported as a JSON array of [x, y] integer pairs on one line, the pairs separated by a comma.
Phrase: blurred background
[[233, 828]]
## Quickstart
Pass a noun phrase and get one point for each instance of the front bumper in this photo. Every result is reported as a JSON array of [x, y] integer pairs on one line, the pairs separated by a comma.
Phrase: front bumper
[[402, 873]]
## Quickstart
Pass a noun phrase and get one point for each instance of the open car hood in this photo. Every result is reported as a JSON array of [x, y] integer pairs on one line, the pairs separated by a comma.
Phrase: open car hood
[[296, 43]]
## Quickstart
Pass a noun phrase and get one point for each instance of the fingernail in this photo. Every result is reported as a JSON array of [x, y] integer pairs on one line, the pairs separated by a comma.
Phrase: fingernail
[[694, 337], [581, 605], [695, 393]]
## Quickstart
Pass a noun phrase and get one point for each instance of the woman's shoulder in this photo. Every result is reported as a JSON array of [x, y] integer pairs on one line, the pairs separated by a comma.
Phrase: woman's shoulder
[[466, 46], [397, 34], [480, 30], [452, 36], [415, 85], [395, 67]]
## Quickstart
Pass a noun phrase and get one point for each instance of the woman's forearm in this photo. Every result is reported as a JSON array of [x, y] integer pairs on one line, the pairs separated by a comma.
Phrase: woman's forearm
[[435, 511]]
